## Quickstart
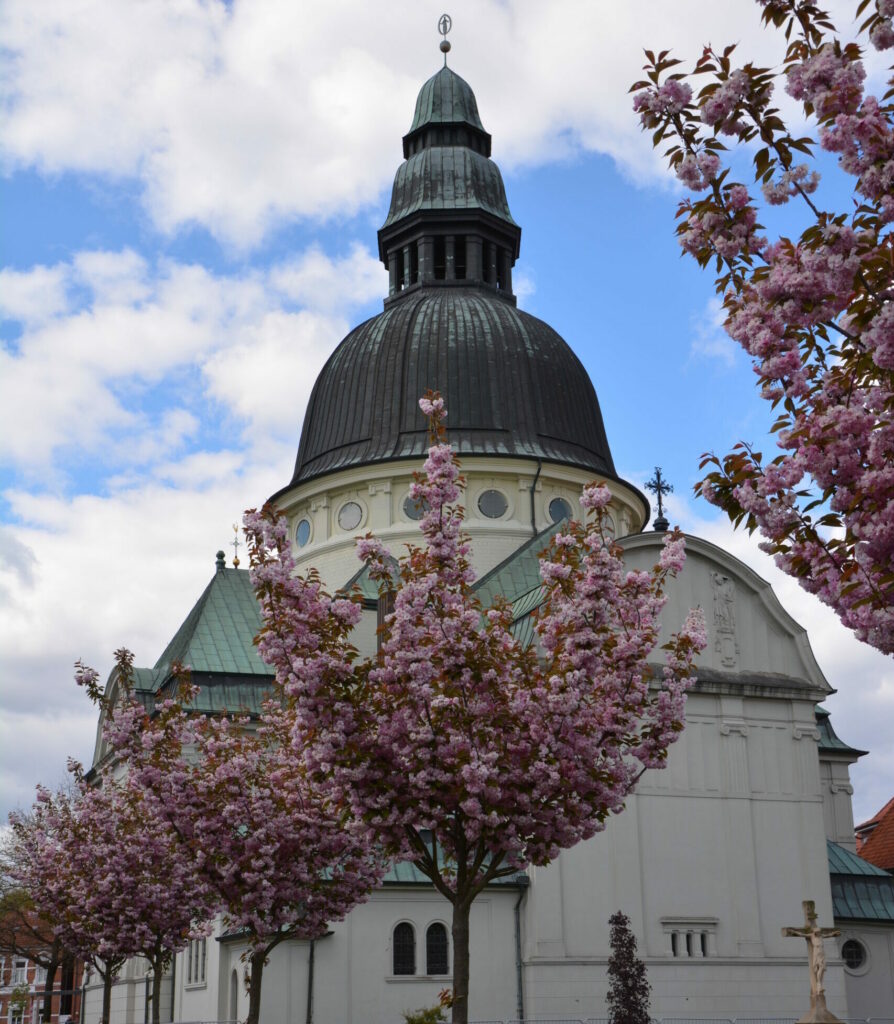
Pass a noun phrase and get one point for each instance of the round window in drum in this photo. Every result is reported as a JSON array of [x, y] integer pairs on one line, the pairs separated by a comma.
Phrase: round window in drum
[[559, 509], [302, 532], [492, 504], [853, 954], [349, 515], [415, 508]]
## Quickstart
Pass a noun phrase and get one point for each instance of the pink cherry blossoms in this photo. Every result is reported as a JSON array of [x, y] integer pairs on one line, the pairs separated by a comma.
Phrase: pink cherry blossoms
[[456, 746], [813, 312]]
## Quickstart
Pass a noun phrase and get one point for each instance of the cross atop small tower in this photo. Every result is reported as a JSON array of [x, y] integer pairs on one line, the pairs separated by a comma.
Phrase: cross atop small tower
[[445, 23], [235, 543], [659, 487]]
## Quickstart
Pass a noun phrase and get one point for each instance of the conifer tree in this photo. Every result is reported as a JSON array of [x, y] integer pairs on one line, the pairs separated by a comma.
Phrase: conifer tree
[[628, 993]]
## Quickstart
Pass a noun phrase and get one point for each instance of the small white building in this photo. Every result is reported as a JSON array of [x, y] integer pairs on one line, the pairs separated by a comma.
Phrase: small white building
[[713, 855]]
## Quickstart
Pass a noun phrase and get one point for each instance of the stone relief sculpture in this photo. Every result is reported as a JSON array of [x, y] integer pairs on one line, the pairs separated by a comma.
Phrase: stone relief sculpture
[[725, 619]]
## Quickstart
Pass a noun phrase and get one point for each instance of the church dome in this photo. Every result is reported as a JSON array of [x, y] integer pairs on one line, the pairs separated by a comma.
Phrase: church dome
[[512, 386]]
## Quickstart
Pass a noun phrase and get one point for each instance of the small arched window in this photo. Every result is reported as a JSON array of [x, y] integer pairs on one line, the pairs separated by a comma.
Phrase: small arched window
[[436, 950], [404, 949]]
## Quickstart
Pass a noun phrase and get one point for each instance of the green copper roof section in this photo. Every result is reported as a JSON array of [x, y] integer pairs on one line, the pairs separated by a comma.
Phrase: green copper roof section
[[446, 99], [218, 634], [828, 739], [406, 873], [845, 862], [519, 574], [860, 891], [145, 680], [452, 178]]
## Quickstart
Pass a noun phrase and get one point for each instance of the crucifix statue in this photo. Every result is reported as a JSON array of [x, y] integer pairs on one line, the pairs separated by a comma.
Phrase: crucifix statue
[[816, 955]]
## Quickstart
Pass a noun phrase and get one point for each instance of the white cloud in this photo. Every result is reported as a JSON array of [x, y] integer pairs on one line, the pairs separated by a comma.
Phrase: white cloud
[[241, 116], [77, 381], [709, 339], [32, 296], [104, 572], [316, 281]]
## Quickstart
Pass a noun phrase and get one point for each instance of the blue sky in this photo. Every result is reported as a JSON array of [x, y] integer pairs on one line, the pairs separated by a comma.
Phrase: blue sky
[[190, 197]]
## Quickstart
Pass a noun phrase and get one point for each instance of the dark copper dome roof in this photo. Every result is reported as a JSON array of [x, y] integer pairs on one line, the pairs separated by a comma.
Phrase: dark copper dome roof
[[512, 387]]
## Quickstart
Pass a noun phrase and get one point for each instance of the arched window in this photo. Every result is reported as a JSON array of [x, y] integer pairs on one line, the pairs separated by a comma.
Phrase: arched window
[[436, 950], [404, 949]]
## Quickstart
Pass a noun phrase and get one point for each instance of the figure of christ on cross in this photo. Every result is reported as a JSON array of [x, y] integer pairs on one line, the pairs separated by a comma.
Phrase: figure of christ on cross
[[816, 955]]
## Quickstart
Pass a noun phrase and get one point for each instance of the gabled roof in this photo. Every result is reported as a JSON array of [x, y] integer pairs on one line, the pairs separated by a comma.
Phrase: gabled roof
[[860, 891], [517, 576], [877, 835], [217, 636]]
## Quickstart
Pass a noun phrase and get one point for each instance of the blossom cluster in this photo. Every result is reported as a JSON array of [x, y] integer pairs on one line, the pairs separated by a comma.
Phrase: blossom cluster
[[814, 312]]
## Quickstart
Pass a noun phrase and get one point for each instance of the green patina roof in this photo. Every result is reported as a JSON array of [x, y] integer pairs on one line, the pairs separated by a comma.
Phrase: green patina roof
[[828, 740], [406, 873], [451, 178], [446, 99], [217, 635], [860, 891], [517, 576], [845, 862]]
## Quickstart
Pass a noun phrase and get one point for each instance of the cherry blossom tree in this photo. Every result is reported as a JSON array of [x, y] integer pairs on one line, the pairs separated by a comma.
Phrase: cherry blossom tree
[[101, 863], [278, 859], [457, 746], [23, 931], [45, 863], [815, 312]]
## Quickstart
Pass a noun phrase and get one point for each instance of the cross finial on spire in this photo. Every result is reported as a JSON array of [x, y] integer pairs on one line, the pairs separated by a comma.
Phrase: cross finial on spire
[[659, 487], [445, 23], [235, 543]]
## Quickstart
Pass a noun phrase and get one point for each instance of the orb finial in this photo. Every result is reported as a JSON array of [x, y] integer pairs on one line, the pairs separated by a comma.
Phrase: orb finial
[[445, 23]]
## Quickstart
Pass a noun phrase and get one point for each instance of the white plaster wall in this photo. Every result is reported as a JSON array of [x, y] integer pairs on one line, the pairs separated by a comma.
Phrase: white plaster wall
[[837, 807], [729, 838], [870, 988]]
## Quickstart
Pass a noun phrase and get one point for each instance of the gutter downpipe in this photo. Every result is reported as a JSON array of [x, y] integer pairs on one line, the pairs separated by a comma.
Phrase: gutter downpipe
[[533, 516], [523, 882], [310, 976], [310, 984], [173, 984]]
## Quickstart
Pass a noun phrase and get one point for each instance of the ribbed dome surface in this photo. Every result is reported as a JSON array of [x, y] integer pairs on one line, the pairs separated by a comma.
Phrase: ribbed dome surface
[[448, 178], [446, 99], [512, 387]]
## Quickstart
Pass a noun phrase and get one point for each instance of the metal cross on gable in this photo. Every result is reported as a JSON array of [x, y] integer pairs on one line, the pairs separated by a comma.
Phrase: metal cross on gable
[[659, 487]]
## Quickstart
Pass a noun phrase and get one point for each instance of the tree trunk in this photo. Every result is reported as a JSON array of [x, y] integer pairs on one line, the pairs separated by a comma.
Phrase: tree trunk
[[108, 979], [52, 966], [460, 930], [158, 966], [254, 989]]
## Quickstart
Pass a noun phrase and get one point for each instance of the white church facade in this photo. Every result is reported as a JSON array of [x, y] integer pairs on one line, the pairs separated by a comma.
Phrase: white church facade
[[712, 856]]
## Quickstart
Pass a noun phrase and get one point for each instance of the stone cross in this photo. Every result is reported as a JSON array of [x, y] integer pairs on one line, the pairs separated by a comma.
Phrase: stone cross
[[816, 955]]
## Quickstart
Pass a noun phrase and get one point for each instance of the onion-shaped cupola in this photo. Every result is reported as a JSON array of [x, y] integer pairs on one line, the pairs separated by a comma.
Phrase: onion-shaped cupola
[[449, 221]]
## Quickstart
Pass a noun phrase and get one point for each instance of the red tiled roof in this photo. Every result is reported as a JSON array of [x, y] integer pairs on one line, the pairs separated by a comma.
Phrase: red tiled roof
[[877, 846]]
